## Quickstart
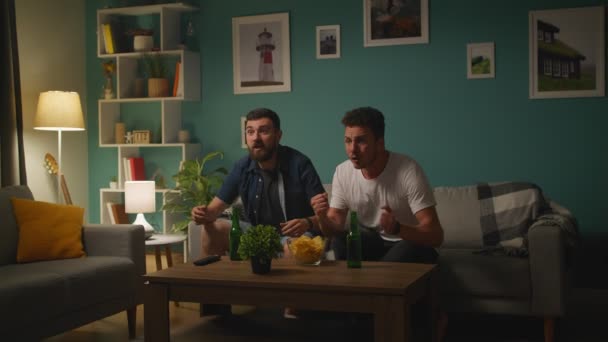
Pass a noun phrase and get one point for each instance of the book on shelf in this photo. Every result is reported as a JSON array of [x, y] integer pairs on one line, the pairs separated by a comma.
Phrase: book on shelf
[[126, 169], [177, 76], [117, 213], [136, 167], [108, 40], [180, 83]]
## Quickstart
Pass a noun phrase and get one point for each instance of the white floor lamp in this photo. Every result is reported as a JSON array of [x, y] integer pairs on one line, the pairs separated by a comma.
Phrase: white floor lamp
[[59, 111]]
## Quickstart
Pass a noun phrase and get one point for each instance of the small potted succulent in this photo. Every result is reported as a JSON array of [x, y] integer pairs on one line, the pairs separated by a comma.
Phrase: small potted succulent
[[113, 183], [155, 69], [260, 244]]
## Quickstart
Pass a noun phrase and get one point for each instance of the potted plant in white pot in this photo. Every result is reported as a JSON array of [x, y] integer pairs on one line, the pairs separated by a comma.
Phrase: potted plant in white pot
[[260, 244], [193, 187], [156, 70]]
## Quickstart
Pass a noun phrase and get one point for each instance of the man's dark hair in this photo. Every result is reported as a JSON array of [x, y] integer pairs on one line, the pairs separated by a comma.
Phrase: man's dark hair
[[260, 113], [366, 117]]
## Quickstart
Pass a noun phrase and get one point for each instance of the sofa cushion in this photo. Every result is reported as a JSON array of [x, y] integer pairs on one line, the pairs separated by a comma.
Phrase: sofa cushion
[[459, 211], [29, 296], [9, 233], [462, 272], [41, 290], [48, 231]]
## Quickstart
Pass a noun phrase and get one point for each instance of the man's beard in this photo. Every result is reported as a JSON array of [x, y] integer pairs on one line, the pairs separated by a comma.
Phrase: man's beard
[[262, 155]]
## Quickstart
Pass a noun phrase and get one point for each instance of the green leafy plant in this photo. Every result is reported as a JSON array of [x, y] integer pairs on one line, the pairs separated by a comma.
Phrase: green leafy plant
[[113, 179], [260, 241], [154, 66], [193, 187]]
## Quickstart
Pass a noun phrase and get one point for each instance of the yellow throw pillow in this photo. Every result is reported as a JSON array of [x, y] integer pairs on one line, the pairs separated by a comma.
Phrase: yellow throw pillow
[[48, 231]]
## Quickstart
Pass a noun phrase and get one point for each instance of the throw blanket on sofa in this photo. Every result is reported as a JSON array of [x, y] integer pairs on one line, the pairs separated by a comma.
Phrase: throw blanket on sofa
[[508, 210]]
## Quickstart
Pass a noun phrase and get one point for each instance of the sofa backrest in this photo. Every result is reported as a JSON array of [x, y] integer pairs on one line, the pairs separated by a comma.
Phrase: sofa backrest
[[9, 232], [459, 211]]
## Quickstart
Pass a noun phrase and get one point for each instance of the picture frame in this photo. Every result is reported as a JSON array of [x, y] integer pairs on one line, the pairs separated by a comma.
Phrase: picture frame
[[480, 60], [395, 22], [566, 53], [261, 54], [141, 136], [328, 41], [243, 132]]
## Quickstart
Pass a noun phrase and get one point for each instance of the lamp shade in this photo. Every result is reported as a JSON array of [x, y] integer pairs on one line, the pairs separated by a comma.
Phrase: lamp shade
[[140, 197], [59, 111]]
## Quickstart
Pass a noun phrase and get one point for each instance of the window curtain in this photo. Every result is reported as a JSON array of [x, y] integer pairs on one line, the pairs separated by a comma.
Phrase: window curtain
[[12, 157]]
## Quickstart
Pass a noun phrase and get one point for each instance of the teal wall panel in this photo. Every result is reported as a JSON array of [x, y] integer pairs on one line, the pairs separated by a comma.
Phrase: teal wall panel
[[461, 131]]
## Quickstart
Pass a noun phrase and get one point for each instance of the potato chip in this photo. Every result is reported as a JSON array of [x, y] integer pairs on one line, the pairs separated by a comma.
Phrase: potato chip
[[306, 250]]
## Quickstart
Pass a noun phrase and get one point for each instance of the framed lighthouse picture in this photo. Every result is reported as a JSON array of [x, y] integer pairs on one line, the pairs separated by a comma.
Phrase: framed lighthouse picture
[[260, 54]]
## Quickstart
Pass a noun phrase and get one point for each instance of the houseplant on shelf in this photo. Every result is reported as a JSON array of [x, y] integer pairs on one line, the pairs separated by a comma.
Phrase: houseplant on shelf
[[261, 244], [156, 71], [108, 67], [193, 187]]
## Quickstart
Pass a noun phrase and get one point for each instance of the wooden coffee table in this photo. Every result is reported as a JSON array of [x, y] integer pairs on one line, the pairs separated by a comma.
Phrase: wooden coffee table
[[384, 289]]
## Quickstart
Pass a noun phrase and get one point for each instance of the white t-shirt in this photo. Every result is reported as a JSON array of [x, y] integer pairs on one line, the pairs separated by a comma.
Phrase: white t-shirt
[[402, 186]]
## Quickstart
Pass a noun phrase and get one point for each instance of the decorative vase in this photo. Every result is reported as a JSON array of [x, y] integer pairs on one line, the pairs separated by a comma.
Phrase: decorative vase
[[260, 265], [158, 87], [108, 89]]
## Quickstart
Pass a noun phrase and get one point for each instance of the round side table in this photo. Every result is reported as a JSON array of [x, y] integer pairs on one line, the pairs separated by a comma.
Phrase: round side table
[[159, 240]]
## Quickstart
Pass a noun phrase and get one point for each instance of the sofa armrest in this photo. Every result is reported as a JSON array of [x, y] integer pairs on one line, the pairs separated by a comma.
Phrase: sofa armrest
[[124, 240], [547, 270]]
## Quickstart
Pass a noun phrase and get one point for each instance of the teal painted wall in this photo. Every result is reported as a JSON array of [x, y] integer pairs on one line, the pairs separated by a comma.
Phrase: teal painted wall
[[461, 131]]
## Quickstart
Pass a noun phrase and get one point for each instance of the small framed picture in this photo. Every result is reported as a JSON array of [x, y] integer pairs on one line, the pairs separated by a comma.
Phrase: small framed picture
[[328, 41], [480, 60], [141, 137], [243, 132]]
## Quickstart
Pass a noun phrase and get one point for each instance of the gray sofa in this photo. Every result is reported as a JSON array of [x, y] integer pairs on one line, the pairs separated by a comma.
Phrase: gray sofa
[[41, 299], [473, 282]]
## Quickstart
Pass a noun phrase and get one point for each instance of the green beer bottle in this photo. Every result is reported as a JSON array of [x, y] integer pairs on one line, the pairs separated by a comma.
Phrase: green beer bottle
[[235, 235], [353, 243]]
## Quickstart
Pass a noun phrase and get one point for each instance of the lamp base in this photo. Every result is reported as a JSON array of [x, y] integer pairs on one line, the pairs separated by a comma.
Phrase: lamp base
[[148, 229]]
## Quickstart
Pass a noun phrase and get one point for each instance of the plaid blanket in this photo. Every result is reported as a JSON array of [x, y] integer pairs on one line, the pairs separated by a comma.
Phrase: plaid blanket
[[509, 210]]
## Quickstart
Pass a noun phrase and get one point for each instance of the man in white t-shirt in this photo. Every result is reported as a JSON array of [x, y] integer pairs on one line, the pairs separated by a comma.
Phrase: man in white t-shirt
[[389, 191]]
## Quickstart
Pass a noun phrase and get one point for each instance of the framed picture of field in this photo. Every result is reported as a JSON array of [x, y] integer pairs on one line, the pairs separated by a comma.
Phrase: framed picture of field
[[480, 60], [567, 52], [260, 54]]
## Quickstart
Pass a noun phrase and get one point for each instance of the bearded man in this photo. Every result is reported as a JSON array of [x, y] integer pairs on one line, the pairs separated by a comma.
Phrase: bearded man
[[275, 183]]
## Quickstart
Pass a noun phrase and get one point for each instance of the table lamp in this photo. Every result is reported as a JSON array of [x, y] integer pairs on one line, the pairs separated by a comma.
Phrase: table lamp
[[140, 198], [59, 111]]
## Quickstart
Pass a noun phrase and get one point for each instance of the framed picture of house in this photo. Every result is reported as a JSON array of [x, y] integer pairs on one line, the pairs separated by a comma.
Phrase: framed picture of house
[[260, 54], [480, 60], [567, 52], [328, 41], [395, 22]]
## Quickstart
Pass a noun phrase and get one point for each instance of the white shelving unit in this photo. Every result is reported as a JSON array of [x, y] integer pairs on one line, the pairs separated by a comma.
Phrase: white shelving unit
[[109, 110]]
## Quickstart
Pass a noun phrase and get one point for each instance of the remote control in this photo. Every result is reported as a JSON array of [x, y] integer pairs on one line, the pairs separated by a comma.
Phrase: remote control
[[207, 260]]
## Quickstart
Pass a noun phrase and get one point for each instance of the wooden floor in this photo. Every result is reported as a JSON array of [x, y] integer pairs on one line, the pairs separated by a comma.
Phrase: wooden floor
[[268, 325]]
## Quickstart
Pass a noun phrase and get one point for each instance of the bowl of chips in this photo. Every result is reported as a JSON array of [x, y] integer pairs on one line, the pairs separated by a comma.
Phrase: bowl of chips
[[306, 250]]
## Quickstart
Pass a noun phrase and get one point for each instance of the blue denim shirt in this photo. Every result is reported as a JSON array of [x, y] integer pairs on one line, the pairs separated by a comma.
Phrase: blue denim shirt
[[300, 179]]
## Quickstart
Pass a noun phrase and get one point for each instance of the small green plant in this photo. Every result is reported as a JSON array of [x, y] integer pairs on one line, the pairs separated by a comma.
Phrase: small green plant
[[113, 179], [154, 66], [260, 241], [193, 187]]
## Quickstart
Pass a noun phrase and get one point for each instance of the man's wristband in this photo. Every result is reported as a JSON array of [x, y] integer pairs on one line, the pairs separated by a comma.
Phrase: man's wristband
[[310, 225]]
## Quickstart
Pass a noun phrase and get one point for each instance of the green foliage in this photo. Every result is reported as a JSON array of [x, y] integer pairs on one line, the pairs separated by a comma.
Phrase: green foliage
[[261, 241], [193, 187], [154, 66]]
